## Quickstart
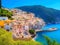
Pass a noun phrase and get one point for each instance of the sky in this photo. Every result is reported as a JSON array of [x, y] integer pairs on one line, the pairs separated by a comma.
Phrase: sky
[[18, 3]]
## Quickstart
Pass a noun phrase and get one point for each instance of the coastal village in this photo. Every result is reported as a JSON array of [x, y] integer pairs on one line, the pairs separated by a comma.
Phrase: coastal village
[[21, 24]]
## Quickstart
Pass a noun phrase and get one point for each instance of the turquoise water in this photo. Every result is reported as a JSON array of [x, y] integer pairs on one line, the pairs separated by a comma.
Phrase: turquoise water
[[54, 35]]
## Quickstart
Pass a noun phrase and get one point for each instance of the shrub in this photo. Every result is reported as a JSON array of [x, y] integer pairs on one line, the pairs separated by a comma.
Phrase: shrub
[[5, 12], [32, 31], [50, 42]]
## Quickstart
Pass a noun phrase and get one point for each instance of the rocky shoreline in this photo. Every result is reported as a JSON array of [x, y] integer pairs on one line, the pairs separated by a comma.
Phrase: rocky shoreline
[[48, 30]]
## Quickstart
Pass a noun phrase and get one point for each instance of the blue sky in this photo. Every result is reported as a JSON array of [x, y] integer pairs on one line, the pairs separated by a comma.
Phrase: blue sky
[[17, 3]]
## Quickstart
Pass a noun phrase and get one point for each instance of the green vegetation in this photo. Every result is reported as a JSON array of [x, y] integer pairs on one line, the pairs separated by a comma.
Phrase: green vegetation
[[0, 3], [6, 39], [5, 12], [32, 31], [51, 42]]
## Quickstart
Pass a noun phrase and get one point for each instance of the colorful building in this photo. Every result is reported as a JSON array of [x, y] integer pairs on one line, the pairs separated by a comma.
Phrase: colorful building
[[23, 22], [5, 23]]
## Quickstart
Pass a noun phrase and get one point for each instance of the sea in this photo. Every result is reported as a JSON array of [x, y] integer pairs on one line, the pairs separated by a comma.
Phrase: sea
[[53, 35]]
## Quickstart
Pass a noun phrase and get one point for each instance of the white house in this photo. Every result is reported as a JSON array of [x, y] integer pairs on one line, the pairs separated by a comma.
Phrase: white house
[[3, 18], [7, 27]]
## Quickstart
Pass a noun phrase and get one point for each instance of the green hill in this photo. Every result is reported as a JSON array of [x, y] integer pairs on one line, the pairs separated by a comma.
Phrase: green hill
[[6, 39], [49, 15]]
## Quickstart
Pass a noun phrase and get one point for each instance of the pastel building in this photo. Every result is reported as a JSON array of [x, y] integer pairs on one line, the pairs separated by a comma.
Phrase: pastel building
[[23, 22], [5, 23], [20, 31], [3, 18]]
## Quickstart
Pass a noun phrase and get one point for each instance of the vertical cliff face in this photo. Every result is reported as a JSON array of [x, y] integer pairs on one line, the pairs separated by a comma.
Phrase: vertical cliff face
[[49, 15]]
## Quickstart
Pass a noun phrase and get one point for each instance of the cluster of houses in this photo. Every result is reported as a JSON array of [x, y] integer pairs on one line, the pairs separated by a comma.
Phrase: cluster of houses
[[23, 22], [5, 23]]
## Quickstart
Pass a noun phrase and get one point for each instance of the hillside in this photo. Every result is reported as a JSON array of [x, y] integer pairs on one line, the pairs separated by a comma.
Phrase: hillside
[[48, 14], [6, 39], [4, 12]]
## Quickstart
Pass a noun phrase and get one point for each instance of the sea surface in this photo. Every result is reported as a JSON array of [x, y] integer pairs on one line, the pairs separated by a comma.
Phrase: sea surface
[[54, 35]]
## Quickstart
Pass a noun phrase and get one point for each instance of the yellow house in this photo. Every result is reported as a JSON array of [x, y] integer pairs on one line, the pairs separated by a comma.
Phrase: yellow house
[[2, 22]]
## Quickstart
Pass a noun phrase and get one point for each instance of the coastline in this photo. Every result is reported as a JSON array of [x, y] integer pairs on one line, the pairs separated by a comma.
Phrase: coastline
[[34, 38], [49, 30], [43, 31]]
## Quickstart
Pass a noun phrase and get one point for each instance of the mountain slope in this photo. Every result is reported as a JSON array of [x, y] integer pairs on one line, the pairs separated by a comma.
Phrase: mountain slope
[[48, 14]]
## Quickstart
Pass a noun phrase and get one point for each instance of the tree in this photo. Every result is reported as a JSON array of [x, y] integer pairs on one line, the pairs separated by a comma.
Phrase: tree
[[32, 31]]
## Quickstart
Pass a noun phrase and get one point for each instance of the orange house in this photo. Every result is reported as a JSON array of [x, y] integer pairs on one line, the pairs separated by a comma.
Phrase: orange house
[[2, 23]]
